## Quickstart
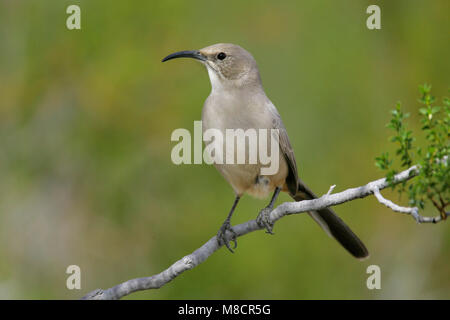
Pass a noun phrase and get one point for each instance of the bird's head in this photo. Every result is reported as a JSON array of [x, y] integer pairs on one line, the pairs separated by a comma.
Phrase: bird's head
[[229, 65]]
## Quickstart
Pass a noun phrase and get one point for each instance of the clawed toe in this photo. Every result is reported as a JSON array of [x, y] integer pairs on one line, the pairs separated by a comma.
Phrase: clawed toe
[[222, 236], [263, 220]]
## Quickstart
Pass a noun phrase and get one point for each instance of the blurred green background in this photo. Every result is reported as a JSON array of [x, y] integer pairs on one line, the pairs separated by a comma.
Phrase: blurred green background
[[85, 123]]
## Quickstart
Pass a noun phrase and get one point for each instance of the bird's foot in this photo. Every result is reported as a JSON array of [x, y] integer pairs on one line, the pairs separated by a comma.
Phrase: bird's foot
[[222, 236], [263, 219]]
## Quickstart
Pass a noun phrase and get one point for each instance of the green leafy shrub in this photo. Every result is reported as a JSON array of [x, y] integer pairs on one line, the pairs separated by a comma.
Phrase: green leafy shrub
[[432, 159]]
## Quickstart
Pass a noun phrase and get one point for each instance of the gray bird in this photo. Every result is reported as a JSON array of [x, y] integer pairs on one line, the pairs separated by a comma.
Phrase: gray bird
[[238, 101]]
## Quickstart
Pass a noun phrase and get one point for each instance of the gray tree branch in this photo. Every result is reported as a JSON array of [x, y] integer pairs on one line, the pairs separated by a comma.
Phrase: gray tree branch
[[201, 254]]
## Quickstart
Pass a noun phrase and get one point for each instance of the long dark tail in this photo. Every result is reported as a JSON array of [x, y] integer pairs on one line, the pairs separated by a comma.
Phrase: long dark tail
[[333, 225]]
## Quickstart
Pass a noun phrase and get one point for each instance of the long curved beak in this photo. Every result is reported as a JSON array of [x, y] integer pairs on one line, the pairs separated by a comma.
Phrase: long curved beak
[[195, 54]]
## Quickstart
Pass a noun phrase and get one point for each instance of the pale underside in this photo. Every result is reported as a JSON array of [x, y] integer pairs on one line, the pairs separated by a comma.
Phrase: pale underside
[[245, 111]]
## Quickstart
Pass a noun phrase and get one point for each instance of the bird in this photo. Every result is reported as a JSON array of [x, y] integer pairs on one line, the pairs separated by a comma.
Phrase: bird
[[238, 101]]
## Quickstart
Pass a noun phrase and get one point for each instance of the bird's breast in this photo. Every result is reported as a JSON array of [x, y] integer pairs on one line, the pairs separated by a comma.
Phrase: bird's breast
[[227, 112]]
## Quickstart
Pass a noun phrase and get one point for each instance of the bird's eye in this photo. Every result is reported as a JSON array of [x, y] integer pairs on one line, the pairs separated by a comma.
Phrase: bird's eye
[[221, 56]]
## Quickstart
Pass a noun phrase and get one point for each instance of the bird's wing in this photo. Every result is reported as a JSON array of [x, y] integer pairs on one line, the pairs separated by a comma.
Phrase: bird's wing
[[286, 151]]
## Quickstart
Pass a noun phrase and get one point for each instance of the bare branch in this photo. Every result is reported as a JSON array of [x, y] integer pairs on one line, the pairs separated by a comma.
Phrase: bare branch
[[331, 189], [413, 211], [201, 254], [388, 203]]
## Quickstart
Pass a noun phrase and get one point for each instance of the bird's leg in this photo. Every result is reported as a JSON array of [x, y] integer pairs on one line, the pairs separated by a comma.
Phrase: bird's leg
[[263, 218], [226, 226]]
